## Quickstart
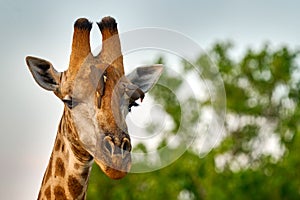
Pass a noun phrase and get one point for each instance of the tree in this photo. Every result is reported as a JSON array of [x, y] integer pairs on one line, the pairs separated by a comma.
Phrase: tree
[[258, 156]]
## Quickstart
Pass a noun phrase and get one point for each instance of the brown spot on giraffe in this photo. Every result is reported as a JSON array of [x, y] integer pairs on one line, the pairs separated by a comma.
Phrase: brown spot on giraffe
[[75, 188], [57, 145], [59, 193], [48, 192], [76, 166], [60, 168]]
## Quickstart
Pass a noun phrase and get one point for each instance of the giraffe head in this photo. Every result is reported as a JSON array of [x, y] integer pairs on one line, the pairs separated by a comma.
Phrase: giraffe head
[[97, 95]]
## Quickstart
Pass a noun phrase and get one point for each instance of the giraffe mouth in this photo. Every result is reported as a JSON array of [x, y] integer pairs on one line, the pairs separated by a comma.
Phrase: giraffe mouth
[[114, 172]]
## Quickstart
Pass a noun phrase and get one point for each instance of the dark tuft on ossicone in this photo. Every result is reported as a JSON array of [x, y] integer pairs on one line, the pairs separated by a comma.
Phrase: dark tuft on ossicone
[[107, 23], [83, 23]]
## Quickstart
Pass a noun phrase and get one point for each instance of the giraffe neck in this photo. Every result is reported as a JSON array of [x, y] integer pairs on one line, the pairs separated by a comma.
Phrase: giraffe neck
[[68, 171]]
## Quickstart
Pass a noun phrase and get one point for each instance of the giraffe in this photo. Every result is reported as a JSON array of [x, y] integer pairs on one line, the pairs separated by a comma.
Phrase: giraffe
[[97, 96]]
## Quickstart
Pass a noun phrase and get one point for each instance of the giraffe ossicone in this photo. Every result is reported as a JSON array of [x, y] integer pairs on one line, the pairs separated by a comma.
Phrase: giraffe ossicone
[[97, 97]]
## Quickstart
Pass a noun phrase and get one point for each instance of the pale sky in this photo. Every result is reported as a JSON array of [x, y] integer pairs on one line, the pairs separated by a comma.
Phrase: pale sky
[[29, 116]]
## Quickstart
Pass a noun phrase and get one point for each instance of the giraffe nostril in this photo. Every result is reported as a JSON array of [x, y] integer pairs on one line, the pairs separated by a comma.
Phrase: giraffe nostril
[[126, 146], [109, 145]]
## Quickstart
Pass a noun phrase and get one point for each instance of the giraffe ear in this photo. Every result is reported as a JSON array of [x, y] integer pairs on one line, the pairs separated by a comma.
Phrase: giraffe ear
[[44, 73], [145, 77]]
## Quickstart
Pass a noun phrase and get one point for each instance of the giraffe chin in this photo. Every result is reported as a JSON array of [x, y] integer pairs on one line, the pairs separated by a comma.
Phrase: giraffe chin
[[111, 172]]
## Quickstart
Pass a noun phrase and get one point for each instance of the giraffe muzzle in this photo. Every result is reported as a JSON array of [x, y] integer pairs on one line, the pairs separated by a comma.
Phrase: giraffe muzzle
[[115, 159]]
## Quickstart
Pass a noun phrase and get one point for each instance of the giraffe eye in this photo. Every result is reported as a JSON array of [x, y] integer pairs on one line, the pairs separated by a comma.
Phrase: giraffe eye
[[70, 102]]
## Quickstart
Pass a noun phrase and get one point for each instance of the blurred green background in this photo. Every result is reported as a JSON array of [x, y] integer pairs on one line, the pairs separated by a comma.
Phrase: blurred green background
[[257, 158]]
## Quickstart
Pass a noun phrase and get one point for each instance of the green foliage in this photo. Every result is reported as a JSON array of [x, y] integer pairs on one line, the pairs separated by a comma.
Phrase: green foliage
[[165, 183], [262, 94]]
